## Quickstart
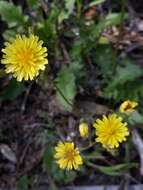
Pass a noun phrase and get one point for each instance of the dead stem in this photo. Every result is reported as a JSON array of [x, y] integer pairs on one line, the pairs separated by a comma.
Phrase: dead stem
[[138, 142]]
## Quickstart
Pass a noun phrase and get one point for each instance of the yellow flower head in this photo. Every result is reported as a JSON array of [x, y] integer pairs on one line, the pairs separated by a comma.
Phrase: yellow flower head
[[128, 106], [67, 156], [83, 130], [111, 131], [24, 57]]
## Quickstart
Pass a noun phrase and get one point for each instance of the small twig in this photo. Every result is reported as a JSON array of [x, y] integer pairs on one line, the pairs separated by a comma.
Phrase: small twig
[[33, 125], [24, 153], [133, 179], [138, 142], [124, 185]]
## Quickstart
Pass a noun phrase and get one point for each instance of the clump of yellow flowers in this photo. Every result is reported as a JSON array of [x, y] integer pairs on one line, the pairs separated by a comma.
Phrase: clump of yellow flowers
[[24, 57], [68, 156], [128, 106], [110, 131]]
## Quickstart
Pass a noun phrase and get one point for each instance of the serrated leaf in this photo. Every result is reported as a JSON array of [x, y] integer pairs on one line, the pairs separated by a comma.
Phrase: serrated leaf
[[11, 14], [121, 92], [66, 87], [126, 77], [105, 58], [129, 72]]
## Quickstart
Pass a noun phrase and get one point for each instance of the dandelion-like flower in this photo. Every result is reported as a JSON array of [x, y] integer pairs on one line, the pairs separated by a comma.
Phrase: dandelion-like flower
[[83, 130], [24, 57], [128, 106], [111, 131], [67, 156]]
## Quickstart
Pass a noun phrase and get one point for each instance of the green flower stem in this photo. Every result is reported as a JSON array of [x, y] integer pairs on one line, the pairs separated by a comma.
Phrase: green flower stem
[[79, 5], [121, 29], [123, 6], [91, 144]]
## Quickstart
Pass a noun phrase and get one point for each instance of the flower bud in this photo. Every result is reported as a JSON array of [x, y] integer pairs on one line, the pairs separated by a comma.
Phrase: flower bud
[[83, 129]]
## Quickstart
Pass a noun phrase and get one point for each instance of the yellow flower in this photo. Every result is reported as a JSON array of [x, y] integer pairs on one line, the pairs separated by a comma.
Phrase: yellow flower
[[83, 129], [128, 106], [111, 131], [24, 57], [67, 156]]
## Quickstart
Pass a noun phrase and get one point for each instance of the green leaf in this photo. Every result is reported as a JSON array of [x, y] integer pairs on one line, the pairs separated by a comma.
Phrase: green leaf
[[13, 90], [96, 2], [105, 58], [114, 19], [103, 40], [11, 32], [125, 73], [77, 69], [69, 6], [34, 4], [23, 183], [94, 155], [135, 118], [129, 72], [64, 176], [117, 170], [88, 42], [66, 87], [127, 76], [49, 24], [48, 158], [11, 14]]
